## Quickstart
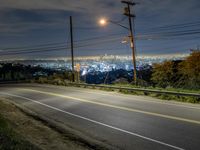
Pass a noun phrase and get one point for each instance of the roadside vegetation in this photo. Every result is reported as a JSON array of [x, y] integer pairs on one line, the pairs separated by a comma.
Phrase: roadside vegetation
[[21, 131], [10, 140], [178, 74]]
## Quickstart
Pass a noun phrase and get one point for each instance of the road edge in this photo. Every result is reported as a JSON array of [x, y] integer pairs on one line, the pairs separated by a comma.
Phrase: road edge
[[71, 133]]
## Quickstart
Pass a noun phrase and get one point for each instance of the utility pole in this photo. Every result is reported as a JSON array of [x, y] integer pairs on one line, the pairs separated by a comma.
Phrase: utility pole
[[132, 41], [72, 49]]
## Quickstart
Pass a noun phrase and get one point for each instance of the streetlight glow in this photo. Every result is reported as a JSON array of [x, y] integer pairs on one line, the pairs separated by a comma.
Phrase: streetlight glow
[[102, 21]]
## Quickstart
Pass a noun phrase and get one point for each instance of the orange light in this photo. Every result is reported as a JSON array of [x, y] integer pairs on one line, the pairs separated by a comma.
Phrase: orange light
[[103, 21]]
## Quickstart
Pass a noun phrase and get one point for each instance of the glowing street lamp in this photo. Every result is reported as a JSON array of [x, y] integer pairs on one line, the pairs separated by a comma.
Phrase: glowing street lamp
[[103, 21]]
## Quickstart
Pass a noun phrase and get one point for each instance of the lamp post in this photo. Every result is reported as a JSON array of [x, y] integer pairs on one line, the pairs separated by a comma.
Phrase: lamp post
[[104, 22]]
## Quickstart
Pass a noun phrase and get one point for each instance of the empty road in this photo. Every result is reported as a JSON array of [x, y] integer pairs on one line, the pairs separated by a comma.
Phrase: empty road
[[126, 122]]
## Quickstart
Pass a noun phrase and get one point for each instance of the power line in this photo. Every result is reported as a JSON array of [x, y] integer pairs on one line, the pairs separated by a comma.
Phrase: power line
[[32, 46], [78, 47], [191, 34], [60, 44], [99, 37], [178, 25], [90, 43], [172, 27], [172, 31], [56, 49], [36, 50], [102, 39]]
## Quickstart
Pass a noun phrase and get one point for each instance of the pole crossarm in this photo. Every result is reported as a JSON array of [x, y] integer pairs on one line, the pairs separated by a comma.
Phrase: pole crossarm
[[129, 3]]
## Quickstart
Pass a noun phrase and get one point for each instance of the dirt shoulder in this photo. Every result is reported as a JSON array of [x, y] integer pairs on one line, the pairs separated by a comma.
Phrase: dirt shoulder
[[30, 133]]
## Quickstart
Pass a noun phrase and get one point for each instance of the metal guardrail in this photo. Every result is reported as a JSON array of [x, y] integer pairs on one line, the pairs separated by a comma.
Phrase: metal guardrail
[[137, 89], [120, 88]]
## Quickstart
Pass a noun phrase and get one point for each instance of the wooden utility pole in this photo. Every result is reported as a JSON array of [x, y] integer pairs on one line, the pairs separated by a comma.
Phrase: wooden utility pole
[[72, 49], [132, 41]]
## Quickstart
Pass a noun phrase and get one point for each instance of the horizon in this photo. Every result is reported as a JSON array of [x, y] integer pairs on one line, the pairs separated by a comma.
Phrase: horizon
[[105, 56]]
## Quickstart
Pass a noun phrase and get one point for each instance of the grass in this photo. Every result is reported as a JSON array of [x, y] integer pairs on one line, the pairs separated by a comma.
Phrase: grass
[[9, 140], [167, 97], [188, 99], [16, 124], [161, 89]]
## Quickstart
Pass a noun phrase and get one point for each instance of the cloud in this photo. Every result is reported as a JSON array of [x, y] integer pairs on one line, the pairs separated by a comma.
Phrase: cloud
[[150, 11], [167, 8], [91, 6], [24, 15], [13, 21]]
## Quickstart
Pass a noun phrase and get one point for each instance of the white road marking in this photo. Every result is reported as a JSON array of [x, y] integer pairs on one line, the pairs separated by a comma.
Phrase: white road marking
[[114, 106], [95, 122]]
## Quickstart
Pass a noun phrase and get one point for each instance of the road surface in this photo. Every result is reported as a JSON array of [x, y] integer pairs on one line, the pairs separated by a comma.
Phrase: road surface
[[124, 121]]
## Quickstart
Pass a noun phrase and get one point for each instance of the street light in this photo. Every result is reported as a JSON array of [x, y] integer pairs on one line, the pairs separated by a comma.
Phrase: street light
[[104, 22]]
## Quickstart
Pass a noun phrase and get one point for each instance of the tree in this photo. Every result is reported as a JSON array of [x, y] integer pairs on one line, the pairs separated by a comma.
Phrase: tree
[[179, 74], [190, 71], [164, 74]]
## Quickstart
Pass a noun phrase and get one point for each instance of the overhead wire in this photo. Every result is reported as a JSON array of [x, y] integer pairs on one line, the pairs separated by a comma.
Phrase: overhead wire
[[61, 44], [56, 49], [158, 36], [172, 27], [32, 46], [177, 25], [103, 39], [76, 43], [193, 31]]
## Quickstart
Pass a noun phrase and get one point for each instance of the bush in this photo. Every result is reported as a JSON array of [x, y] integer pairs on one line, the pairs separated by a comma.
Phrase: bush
[[178, 74], [42, 80], [121, 81]]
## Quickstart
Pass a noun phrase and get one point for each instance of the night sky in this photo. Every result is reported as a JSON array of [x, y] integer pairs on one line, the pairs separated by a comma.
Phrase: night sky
[[33, 29]]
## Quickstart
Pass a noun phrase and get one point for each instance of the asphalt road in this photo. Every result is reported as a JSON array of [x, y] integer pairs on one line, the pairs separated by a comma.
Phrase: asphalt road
[[124, 121]]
